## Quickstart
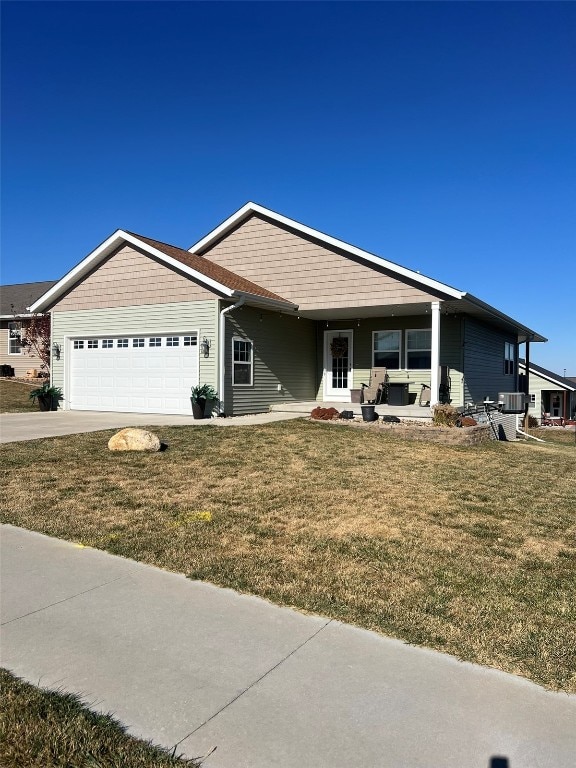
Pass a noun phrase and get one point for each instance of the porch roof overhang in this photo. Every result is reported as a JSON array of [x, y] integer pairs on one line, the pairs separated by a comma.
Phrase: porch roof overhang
[[467, 305]]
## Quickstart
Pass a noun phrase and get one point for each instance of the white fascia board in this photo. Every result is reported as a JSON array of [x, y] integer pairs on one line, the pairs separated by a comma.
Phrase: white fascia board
[[16, 316], [104, 250], [77, 272], [548, 378], [250, 208], [207, 281]]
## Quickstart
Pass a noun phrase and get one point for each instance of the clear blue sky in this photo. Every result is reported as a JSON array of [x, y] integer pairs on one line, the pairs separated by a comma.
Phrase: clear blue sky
[[441, 136]]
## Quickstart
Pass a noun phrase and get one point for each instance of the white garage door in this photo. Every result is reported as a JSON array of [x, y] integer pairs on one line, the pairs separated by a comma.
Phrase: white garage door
[[135, 374]]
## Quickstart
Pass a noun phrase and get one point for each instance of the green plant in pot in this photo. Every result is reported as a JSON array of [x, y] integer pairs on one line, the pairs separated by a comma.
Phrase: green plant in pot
[[200, 396], [47, 396]]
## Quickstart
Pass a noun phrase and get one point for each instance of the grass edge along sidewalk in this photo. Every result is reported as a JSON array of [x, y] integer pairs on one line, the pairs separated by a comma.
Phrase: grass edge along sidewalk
[[41, 727], [468, 550]]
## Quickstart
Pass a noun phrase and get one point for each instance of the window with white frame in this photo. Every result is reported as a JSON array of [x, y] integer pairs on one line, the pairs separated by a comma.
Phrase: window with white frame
[[107, 343], [78, 344], [509, 358], [92, 343], [386, 349], [155, 341], [173, 341], [190, 341], [532, 401], [14, 334], [418, 349], [121, 343], [137, 343], [242, 362]]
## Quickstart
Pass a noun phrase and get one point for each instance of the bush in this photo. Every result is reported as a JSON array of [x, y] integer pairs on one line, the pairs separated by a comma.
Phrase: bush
[[444, 416]]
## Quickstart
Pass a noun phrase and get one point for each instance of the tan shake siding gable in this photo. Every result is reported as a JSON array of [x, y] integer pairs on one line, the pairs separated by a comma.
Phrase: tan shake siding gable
[[305, 272], [208, 268], [131, 278]]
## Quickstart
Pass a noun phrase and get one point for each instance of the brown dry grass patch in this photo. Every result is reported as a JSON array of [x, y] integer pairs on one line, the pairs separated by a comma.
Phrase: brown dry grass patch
[[15, 397], [470, 550]]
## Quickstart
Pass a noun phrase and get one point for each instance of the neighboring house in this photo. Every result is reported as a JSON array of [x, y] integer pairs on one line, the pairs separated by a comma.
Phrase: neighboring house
[[266, 310], [549, 392], [14, 316]]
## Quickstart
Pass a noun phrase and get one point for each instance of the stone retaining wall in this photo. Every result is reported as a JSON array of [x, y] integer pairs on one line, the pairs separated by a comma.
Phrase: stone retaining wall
[[425, 432], [445, 435]]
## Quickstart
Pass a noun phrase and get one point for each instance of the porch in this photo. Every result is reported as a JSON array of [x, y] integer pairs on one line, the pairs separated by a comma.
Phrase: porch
[[401, 412]]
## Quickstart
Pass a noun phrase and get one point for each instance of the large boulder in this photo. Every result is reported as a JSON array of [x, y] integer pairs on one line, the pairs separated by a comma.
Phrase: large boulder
[[132, 439]]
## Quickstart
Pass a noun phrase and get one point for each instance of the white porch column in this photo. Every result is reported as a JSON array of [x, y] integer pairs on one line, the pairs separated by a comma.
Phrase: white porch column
[[435, 354]]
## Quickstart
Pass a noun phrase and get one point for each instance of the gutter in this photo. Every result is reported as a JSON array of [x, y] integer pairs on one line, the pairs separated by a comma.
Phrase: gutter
[[222, 348]]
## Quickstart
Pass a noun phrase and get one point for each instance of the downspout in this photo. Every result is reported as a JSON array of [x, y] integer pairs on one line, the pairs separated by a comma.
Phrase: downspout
[[222, 348]]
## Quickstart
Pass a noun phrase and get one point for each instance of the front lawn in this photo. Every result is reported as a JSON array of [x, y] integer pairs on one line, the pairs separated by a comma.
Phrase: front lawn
[[15, 397], [41, 728], [470, 550]]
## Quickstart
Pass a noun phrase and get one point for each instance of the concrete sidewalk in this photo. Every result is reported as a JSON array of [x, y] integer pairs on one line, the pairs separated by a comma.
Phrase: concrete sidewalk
[[31, 426], [183, 661]]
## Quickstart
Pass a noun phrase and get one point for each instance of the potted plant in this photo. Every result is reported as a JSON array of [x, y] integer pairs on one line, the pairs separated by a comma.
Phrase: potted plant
[[200, 395], [48, 397]]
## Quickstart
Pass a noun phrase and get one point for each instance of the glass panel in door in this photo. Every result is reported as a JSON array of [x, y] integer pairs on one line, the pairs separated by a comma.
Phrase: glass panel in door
[[338, 365]]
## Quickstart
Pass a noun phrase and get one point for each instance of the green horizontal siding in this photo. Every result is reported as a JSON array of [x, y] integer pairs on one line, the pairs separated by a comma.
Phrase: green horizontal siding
[[484, 361], [201, 316], [284, 354]]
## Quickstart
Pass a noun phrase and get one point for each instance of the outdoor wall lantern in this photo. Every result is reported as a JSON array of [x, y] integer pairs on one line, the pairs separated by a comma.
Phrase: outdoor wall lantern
[[56, 351], [205, 347]]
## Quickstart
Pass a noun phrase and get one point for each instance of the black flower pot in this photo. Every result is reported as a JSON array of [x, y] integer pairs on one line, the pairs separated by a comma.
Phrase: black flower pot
[[198, 408], [47, 403], [369, 412]]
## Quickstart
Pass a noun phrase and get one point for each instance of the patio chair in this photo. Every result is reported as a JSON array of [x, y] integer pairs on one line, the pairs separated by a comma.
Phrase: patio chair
[[425, 395], [374, 392]]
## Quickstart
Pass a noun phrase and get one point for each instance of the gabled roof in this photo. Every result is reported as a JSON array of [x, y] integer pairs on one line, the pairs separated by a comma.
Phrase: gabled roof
[[250, 209], [211, 275], [15, 299], [554, 378], [454, 299]]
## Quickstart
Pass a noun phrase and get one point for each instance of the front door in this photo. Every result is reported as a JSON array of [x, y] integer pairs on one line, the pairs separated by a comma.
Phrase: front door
[[556, 404], [337, 365]]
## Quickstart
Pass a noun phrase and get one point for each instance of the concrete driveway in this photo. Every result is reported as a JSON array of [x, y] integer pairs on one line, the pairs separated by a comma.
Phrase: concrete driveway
[[30, 426], [184, 662]]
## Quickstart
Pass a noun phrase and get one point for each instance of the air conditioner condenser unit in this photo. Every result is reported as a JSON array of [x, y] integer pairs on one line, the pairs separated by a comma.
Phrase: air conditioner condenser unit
[[512, 402]]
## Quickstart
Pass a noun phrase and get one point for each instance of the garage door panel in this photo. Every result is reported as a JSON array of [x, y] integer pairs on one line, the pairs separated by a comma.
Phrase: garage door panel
[[140, 379]]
